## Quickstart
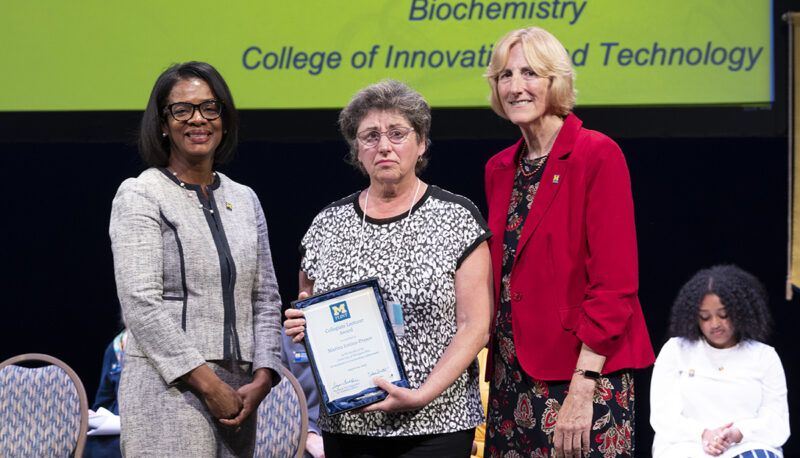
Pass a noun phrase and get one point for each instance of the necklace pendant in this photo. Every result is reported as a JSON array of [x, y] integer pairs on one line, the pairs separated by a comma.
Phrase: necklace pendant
[[721, 368]]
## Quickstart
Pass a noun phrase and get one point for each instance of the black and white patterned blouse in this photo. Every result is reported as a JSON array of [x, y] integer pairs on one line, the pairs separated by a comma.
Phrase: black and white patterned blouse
[[415, 259]]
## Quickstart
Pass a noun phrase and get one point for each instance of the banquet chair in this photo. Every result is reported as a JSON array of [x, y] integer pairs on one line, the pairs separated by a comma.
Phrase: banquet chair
[[43, 410], [282, 420]]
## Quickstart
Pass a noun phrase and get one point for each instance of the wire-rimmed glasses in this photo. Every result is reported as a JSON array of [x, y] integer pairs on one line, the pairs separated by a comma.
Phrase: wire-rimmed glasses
[[372, 137]]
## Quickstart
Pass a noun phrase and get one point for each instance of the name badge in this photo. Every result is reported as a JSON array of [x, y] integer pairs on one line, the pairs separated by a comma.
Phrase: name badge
[[395, 311], [300, 357]]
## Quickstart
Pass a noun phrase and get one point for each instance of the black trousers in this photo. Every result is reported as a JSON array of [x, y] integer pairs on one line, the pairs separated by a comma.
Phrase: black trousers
[[446, 445]]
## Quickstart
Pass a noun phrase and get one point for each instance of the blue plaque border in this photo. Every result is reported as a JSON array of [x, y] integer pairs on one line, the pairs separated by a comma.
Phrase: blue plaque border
[[370, 395]]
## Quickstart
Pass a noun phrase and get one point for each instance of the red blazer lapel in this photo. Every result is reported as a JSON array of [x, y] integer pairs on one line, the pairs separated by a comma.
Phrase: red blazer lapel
[[555, 172]]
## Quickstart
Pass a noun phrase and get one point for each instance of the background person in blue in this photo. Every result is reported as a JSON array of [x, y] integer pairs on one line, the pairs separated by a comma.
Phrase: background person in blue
[[106, 397], [296, 360]]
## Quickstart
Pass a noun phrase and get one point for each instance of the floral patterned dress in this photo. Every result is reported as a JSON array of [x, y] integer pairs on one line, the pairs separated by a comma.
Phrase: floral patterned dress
[[522, 410]]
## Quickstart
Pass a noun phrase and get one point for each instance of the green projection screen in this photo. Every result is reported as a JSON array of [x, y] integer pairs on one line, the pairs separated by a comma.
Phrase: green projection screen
[[106, 55]]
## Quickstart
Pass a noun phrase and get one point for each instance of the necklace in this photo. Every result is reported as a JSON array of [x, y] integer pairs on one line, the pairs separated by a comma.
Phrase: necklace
[[547, 147], [189, 192], [522, 168], [716, 356], [364, 219]]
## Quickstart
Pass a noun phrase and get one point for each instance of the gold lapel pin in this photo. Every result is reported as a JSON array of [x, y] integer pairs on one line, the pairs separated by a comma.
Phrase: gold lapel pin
[[229, 206]]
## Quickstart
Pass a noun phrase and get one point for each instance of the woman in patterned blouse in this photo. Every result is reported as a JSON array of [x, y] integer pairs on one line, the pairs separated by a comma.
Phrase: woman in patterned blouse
[[568, 327], [428, 249]]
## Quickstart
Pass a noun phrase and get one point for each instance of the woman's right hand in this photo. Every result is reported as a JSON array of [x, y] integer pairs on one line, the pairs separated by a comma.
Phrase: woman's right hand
[[220, 398], [294, 324], [717, 440]]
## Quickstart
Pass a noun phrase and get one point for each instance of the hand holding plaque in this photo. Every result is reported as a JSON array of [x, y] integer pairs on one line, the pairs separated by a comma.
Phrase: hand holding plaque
[[349, 341]]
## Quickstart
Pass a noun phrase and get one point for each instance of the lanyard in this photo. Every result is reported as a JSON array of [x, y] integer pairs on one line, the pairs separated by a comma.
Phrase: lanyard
[[364, 223]]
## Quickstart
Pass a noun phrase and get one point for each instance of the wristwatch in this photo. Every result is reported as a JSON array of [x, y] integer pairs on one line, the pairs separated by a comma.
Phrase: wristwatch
[[588, 374]]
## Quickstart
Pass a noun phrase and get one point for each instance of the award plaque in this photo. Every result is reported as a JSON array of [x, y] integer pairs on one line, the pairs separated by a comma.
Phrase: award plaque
[[349, 341]]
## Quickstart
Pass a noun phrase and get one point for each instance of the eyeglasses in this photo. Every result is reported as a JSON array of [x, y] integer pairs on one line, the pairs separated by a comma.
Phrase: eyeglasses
[[184, 111], [396, 135]]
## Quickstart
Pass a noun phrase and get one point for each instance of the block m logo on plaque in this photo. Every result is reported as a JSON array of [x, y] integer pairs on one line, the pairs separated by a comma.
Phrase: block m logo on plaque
[[339, 311]]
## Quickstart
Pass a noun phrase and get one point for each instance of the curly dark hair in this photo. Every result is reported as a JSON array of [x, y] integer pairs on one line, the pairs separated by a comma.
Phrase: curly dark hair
[[153, 147], [744, 297]]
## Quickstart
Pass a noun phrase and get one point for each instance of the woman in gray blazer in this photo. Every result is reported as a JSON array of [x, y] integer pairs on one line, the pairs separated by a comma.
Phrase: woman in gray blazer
[[195, 279]]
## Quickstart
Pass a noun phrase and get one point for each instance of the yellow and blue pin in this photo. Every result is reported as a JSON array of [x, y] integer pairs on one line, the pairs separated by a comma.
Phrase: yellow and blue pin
[[229, 206], [556, 178]]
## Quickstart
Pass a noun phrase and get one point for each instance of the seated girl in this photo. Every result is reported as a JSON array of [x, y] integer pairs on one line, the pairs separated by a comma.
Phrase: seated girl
[[717, 389]]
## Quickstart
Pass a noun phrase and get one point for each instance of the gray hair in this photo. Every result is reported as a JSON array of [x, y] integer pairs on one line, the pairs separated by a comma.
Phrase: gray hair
[[387, 95]]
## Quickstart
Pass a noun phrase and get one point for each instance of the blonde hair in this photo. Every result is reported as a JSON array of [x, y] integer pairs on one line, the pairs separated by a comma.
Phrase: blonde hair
[[546, 56]]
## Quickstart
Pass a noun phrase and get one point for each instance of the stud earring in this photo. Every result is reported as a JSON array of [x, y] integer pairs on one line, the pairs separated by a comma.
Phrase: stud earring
[[164, 134]]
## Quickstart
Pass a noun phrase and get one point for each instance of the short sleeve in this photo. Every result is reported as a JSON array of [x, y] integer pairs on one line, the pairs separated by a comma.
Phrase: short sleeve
[[469, 226], [326, 226], [309, 248]]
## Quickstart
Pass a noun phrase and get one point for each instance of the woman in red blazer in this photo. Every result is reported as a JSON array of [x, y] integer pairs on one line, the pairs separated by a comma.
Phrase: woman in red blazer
[[568, 327]]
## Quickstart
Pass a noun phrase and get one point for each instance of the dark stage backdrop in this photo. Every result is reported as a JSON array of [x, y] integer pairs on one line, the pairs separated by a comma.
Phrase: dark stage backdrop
[[699, 202]]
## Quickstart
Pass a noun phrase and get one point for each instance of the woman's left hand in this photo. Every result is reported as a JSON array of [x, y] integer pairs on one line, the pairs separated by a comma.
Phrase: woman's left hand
[[575, 420], [252, 394], [473, 285], [399, 399]]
